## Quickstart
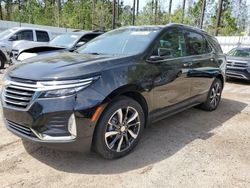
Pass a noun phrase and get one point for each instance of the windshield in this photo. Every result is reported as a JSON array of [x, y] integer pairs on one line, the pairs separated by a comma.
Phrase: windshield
[[65, 40], [5, 33], [125, 41], [240, 52]]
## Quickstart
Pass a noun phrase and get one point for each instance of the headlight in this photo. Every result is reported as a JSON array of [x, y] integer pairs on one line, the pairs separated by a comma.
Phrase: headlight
[[52, 89], [60, 92]]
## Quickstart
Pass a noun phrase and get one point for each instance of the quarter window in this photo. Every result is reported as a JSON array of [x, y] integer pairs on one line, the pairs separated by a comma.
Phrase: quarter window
[[171, 44], [196, 44], [25, 35], [42, 36]]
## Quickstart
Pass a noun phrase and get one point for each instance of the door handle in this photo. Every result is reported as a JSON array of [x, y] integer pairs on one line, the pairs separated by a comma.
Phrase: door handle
[[187, 64]]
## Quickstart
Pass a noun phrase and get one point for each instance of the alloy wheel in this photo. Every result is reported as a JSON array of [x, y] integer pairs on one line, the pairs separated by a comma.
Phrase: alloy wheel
[[215, 95], [122, 129]]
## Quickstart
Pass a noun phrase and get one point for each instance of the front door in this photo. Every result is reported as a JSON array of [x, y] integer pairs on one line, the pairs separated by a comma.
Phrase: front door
[[171, 84]]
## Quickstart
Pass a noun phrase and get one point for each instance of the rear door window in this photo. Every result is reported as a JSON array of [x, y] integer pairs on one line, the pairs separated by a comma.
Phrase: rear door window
[[42, 36], [25, 35], [196, 44]]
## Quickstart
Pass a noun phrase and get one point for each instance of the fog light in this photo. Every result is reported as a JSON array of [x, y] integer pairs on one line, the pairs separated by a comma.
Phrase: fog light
[[72, 125]]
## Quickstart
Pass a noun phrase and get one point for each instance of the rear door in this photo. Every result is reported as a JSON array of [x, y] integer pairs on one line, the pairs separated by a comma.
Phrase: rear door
[[202, 62]]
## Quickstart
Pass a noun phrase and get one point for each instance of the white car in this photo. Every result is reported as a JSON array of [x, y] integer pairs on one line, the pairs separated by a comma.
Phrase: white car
[[9, 36]]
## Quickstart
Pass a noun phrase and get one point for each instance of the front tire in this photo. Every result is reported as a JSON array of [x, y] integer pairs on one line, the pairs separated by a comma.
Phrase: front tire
[[119, 128], [214, 96], [2, 62]]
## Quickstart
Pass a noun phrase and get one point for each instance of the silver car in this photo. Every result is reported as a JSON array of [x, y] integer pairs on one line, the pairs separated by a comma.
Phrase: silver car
[[238, 63]]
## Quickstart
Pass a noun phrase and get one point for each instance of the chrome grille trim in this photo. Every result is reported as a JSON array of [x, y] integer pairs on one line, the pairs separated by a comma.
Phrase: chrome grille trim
[[16, 103], [237, 64], [18, 95], [18, 98]]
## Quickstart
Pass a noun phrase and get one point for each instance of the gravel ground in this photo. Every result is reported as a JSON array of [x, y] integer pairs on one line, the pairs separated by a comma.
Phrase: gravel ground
[[192, 149]]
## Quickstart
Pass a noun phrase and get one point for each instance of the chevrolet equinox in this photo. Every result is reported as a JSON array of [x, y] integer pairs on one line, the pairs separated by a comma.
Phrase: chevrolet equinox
[[103, 95]]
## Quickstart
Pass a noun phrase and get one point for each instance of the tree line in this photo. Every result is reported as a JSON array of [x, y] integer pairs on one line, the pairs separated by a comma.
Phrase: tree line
[[99, 14]]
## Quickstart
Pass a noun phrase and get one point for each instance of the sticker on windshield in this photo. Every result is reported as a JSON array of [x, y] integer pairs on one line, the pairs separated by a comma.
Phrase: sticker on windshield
[[73, 36], [140, 33]]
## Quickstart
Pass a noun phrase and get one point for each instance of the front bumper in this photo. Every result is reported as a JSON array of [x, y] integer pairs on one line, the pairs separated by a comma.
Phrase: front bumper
[[238, 73], [51, 116]]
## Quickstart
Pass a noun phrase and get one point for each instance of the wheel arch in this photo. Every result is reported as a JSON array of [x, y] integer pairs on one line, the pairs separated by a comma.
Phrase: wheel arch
[[2, 54], [127, 91], [131, 92], [221, 78]]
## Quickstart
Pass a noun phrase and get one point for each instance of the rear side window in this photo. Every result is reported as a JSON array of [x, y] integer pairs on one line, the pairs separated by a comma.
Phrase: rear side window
[[215, 44], [196, 44], [42, 36], [25, 35]]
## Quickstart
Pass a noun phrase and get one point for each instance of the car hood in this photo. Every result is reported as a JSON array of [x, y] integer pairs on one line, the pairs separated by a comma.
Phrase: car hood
[[64, 65], [34, 46]]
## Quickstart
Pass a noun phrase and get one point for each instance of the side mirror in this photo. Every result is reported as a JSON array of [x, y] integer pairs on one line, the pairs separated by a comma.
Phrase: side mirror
[[155, 58], [79, 44], [164, 52], [13, 38]]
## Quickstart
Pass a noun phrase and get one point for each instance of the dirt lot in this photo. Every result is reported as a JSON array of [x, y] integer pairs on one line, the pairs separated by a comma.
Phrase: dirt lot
[[191, 149]]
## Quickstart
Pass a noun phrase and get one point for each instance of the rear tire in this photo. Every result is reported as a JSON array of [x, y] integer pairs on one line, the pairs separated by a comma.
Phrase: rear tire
[[119, 128], [214, 96], [2, 62]]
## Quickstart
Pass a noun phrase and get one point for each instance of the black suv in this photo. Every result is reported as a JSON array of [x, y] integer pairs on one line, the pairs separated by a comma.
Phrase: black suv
[[103, 95]]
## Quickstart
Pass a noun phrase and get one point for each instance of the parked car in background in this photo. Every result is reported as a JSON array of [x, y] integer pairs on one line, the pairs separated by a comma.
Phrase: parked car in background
[[68, 41], [105, 94], [9, 36], [238, 63]]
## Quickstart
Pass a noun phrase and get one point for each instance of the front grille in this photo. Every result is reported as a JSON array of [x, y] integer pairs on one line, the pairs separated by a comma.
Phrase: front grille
[[235, 75], [241, 65], [18, 94], [19, 128]]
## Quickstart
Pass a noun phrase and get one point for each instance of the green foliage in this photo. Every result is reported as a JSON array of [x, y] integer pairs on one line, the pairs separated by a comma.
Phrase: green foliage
[[228, 25], [97, 14]]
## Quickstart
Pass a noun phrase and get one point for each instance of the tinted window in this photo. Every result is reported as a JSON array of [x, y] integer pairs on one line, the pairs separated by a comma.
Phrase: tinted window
[[172, 43], [25, 35], [42, 36], [240, 52], [214, 42], [65, 40], [196, 44], [88, 37], [124, 41]]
